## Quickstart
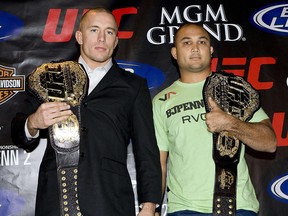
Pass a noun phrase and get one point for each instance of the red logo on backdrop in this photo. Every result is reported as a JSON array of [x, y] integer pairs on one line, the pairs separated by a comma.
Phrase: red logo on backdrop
[[238, 67], [68, 24], [10, 84]]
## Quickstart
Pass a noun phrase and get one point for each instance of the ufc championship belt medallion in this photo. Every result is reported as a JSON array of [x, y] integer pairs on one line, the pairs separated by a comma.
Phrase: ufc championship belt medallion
[[67, 82], [236, 97]]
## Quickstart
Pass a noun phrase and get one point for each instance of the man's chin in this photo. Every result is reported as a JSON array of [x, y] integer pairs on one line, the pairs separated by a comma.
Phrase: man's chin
[[101, 59], [198, 69]]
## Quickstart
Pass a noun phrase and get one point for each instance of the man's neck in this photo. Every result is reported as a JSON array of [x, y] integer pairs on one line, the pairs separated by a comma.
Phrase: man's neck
[[193, 77], [92, 64]]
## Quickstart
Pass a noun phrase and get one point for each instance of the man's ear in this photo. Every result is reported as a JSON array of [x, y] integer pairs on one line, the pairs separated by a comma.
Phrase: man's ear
[[211, 50], [78, 36], [174, 53]]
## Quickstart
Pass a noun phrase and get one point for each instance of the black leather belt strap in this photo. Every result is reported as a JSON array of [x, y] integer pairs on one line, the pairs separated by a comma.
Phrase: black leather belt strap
[[236, 97], [224, 201], [226, 153], [67, 179], [67, 176]]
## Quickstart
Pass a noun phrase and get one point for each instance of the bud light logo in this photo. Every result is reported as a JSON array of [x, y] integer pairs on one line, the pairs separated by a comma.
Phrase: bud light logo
[[154, 76], [278, 188], [272, 19], [10, 26]]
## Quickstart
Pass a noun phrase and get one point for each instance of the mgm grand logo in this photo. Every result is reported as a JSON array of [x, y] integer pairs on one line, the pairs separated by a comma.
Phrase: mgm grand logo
[[10, 84]]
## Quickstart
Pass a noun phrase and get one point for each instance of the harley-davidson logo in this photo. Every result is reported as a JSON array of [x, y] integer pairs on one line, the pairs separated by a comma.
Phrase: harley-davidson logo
[[10, 83]]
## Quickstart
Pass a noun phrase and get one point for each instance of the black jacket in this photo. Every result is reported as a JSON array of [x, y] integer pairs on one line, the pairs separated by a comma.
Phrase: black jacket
[[116, 112]]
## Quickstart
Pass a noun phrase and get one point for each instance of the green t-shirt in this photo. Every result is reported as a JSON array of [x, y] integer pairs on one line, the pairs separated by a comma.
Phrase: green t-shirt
[[179, 116]]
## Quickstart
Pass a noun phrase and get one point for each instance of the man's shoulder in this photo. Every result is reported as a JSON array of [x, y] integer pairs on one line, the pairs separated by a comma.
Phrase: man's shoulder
[[165, 93]]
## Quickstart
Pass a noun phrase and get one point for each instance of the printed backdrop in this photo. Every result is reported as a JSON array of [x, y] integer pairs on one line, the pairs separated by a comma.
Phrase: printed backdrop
[[250, 39]]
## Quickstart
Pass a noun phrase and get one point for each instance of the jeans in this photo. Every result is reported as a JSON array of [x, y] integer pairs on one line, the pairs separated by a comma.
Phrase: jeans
[[193, 213]]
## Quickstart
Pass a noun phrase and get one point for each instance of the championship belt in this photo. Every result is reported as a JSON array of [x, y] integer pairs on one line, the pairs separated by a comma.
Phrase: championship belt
[[236, 97], [67, 82]]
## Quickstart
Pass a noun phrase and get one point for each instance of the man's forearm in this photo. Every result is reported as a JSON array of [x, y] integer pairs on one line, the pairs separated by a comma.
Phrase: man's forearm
[[259, 136]]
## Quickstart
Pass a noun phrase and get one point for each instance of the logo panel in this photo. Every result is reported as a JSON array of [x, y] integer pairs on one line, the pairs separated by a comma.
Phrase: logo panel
[[278, 188], [10, 26], [273, 19], [10, 84]]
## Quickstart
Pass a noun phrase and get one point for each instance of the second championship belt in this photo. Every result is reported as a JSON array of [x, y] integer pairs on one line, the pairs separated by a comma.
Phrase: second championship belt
[[236, 97], [67, 82]]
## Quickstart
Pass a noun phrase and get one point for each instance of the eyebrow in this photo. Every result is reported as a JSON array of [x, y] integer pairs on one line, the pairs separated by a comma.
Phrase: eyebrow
[[200, 38], [109, 28], [204, 37]]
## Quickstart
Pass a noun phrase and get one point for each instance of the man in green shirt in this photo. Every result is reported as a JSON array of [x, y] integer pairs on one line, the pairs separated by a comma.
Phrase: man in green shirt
[[184, 133]]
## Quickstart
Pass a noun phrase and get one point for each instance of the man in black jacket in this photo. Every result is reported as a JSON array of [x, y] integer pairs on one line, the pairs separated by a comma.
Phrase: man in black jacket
[[117, 109]]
